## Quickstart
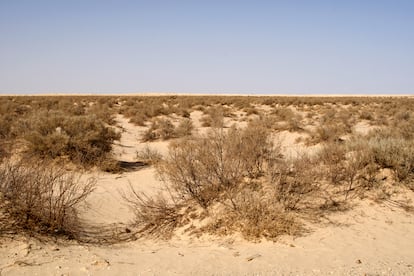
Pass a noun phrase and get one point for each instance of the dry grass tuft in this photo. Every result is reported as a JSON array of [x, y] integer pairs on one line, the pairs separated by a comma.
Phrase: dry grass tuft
[[154, 216], [164, 129], [149, 155], [255, 215]]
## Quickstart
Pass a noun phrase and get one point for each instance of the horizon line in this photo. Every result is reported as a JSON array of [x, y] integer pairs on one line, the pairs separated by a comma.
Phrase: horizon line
[[205, 94]]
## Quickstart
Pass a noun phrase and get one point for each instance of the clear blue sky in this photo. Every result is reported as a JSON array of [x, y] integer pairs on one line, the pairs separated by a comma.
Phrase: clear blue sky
[[207, 46]]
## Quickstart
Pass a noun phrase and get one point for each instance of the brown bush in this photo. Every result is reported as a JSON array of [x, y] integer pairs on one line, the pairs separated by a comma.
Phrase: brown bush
[[201, 168], [185, 128], [149, 135], [283, 113], [294, 181], [214, 117], [83, 139], [160, 129], [394, 152], [294, 123], [187, 169], [42, 197], [103, 111], [165, 129], [333, 155], [255, 215], [154, 216], [251, 111], [366, 115], [149, 155], [354, 164], [257, 148], [331, 132], [6, 122]]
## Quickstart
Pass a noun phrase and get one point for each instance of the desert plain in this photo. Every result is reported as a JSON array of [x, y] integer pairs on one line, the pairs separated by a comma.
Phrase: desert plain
[[206, 185]]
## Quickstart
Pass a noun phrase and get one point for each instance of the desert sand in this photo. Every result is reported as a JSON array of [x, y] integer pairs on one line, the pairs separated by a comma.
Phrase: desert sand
[[370, 239]]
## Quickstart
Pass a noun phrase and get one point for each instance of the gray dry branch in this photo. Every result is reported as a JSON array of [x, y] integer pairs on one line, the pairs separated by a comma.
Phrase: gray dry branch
[[201, 168], [149, 155], [294, 181], [256, 214], [154, 216], [214, 170], [42, 197]]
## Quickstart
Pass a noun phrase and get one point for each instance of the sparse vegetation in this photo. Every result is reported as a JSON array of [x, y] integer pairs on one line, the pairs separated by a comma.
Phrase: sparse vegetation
[[252, 188], [149, 155], [83, 139], [225, 178], [41, 197]]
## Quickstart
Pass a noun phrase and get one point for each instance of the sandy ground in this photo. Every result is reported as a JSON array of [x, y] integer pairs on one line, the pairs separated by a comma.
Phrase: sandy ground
[[370, 239]]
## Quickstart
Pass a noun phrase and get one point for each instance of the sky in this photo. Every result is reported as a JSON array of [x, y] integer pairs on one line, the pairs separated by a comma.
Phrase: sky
[[207, 46]]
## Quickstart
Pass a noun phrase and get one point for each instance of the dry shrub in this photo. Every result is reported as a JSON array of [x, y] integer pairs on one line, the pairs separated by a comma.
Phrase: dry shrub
[[362, 158], [185, 128], [149, 135], [149, 155], [2, 153], [403, 125], [110, 165], [83, 139], [294, 181], [332, 155], [327, 133], [6, 122], [258, 148], [220, 168], [366, 115], [255, 215], [227, 166], [193, 171], [164, 129], [349, 165], [201, 168], [103, 111], [42, 197], [154, 216], [4, 149], [160, 129], [403, 115], [251, 111], [214, 117], [283, 113], [355, 164], [393, 152], [207, 121], [295, 123]]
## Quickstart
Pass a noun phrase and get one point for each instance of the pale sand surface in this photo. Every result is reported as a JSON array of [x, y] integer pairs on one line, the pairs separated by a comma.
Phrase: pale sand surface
[[370, 239]]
